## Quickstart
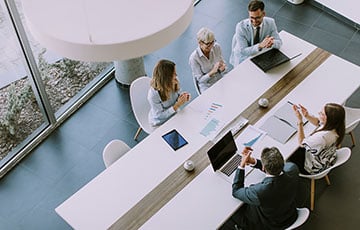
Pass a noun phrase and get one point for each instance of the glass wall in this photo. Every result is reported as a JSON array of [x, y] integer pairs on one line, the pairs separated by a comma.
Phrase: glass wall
[[38, 88]]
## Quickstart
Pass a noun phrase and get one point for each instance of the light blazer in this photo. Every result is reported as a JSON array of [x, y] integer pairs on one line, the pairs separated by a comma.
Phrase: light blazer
[[271, 203], [242, 41], [160, 111]]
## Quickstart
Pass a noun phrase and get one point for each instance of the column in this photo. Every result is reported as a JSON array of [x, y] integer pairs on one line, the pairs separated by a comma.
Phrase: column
[[296, 2], [127, 71]]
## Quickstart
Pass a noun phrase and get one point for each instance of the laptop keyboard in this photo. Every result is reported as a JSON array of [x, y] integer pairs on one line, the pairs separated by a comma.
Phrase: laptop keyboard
[[231, 166]]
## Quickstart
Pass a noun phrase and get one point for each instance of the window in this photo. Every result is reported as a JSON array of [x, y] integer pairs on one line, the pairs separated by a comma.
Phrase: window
[[38, 88]]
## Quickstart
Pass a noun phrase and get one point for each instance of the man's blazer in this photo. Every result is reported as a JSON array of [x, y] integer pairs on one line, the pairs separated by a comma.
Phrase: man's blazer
[[242, 41], [271, 204]]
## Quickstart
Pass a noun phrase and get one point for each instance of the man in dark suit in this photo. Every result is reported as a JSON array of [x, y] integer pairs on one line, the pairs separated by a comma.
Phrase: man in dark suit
[[270, 204], [254, 34]]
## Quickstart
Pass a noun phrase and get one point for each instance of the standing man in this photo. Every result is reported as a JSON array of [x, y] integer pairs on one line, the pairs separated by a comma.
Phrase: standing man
[[254, 34], [271, 203]]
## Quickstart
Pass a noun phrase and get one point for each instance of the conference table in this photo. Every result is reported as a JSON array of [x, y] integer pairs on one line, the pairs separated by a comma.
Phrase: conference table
[[148, 187]]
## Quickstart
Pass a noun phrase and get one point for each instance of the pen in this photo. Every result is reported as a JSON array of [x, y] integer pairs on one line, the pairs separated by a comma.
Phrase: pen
[[297, 55], [293, 104]]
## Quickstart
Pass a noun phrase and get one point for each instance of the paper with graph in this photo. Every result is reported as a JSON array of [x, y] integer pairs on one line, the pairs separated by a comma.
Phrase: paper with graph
[[249, 137], [213, 122]]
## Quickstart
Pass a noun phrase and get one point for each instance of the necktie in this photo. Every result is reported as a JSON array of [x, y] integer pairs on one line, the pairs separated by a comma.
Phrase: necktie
[[257, 35]]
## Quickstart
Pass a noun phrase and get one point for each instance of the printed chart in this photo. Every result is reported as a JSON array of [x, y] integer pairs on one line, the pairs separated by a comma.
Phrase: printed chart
[[213, 122], [249, 136]]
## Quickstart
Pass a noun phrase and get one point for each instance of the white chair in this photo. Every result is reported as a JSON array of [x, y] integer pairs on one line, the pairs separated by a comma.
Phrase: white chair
[[113, 151], [196, 85], [352, 119], [303, 214], [342, 154], [138, 96]]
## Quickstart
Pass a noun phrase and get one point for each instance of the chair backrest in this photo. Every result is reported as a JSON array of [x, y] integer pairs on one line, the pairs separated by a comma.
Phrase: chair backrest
[[113, 151], [196, 85], [138, 96], [303, 214], [342, 155], [352, 118]]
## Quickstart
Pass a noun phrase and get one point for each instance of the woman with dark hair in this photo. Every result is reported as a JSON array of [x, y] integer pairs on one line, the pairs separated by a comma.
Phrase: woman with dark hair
[[317, 151], [164, 94]]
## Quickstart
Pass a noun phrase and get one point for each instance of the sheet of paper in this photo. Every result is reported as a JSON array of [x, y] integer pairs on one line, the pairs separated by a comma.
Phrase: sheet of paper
[[249, 137], [212, 128], [212, 119], [278, 129], [286, 113]]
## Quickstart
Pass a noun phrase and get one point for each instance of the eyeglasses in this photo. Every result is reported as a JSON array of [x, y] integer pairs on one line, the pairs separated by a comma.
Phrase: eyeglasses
[[256, 18], [208, 43]]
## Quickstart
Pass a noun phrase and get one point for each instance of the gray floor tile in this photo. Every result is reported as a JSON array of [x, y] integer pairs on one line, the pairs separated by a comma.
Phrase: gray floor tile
[[20, 192], [354, 100], [123, 131], [44, 213], [273, 7], [113, 99], [291, 26], [80, 175], [302, 14], [6, 224], [352, 50], [327, 41], [52, 160], [330, 24], [88, 125]]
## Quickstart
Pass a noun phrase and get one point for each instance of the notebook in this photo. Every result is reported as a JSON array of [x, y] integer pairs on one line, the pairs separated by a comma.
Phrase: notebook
[[269, 59], [223, 157], [282, 125]]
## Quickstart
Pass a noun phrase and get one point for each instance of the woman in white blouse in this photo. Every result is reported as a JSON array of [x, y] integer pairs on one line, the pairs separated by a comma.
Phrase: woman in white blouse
[[206, 61], [317, 151], [164, 94]]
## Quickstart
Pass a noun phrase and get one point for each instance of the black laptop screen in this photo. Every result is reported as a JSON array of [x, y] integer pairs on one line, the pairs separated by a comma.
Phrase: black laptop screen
[[222, 151], [270, 59]]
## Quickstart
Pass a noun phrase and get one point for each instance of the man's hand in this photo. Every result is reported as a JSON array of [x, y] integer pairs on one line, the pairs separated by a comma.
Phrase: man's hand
[[246, 157], [267, 42]]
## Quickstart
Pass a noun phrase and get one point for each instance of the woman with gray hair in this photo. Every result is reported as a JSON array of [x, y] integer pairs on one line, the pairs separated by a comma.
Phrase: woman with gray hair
[[206, 61]]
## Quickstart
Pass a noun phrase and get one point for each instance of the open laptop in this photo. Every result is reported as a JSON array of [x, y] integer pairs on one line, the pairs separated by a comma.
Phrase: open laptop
[[270, 59], [223, 157]]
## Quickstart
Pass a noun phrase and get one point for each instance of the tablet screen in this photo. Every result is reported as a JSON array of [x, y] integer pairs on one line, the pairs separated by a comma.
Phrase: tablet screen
[[174, 139]]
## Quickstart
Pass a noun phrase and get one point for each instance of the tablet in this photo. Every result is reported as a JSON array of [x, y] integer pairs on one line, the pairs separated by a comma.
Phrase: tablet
[[174, 139]]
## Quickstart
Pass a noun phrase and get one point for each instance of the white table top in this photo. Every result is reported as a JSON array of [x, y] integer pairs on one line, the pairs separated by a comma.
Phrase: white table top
[[113, 192], [106, 30]]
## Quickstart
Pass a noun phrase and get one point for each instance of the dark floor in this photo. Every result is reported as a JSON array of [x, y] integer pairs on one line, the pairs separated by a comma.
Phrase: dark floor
[[71, 156]]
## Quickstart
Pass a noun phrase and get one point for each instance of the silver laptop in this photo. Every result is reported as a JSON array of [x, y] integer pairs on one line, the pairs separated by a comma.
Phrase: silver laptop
[[224, 158]]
